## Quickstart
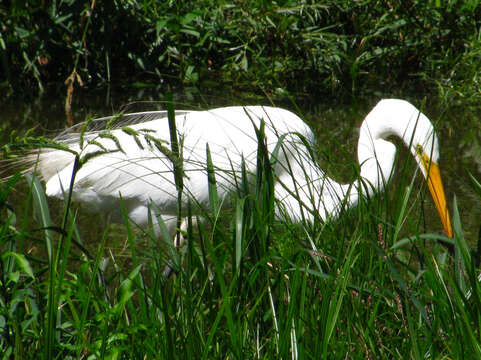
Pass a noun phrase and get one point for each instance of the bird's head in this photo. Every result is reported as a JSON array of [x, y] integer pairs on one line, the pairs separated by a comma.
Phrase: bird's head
[[426, 154], [400, 118]]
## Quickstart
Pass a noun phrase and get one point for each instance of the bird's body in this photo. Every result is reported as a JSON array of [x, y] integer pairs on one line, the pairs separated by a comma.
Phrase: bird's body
[[136, 163]]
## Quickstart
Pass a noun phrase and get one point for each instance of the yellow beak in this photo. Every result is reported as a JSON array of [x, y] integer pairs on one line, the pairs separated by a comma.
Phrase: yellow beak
[[436, 189]]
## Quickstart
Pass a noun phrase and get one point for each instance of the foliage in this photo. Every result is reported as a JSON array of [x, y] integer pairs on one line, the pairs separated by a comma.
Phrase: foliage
[[331, 47], [245, 285]]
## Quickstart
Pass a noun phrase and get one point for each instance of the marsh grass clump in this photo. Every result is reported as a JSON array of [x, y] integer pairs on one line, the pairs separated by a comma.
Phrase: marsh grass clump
[[373, 284]]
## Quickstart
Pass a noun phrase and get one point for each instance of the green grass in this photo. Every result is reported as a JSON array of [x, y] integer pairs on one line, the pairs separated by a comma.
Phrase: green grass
[[370, 285]]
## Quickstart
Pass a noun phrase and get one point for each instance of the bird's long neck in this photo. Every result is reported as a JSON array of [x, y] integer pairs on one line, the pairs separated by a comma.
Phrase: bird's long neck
[[390, 117], [375, 154], [376, 158]]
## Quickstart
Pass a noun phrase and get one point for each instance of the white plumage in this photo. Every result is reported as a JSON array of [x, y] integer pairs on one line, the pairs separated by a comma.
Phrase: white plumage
[[141, 172]]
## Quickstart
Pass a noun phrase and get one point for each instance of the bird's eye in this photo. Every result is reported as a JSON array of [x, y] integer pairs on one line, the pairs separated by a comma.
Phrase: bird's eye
[[419, 150]]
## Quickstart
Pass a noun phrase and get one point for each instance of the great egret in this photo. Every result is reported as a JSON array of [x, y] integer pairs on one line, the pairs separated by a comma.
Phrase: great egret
[[134, 163]]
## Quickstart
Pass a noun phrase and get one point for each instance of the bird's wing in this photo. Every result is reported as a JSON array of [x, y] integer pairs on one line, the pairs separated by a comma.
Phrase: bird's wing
[[135, 161]]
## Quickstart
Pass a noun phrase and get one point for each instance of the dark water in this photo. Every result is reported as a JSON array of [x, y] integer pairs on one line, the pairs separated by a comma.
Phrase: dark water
[[336, 125]]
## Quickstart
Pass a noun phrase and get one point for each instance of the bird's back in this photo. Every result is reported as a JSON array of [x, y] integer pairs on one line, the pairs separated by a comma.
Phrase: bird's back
[[136, 163]]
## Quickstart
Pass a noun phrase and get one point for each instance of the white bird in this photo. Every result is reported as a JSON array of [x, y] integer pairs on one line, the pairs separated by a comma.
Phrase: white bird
[[135, 163]]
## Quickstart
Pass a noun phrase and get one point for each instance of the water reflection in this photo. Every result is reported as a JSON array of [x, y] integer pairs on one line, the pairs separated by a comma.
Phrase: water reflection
[[336, 126]]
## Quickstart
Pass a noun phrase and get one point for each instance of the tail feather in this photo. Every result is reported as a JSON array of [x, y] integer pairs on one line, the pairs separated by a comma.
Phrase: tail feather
[[52, 161], [45, 163]]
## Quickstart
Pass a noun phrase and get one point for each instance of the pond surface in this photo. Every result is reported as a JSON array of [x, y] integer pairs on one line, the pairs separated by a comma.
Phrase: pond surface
[[336, 125]]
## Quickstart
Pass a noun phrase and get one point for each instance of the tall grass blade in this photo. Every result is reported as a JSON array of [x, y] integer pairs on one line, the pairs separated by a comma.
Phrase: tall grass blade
[[476, 184], [274, 318], [413, 335], [338, 296], [240, 227], [85, 303], [41, 207], [213, 194], [21, 261], [402, 212], [178, 160], [40, 204], [461, 249], [173, 254]]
